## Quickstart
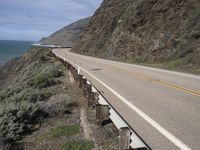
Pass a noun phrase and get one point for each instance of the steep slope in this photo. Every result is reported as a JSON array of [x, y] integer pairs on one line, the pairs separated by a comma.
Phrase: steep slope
[[26, 84], [66, 36], [154, 31], [38, 102]]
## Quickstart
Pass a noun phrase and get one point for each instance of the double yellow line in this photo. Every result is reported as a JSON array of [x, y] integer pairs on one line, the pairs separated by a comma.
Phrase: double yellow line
[[144, 77]]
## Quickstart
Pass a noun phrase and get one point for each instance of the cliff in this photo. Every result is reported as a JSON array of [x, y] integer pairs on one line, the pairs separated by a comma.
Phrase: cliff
[[39, 102], [153, 31], [66, 36], [26, 84]]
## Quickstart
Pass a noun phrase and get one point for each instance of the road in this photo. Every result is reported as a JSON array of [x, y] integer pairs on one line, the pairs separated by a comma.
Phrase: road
[[162, 106]]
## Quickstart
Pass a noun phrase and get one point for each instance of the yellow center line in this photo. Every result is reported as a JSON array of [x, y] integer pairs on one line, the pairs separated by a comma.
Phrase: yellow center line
[[144, 77], [180, 88]]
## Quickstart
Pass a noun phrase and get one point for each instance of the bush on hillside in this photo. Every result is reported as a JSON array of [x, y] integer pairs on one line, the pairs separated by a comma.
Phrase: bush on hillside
[[45, 78]]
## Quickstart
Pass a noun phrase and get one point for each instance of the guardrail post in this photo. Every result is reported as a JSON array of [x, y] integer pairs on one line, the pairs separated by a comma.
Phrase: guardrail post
[[62, 61], [93, 98], [102, 113], [84, 82], [96, 98], [80, 77], [68, 66], [65, 63], [88, 94], [124, 138], [71, 68], [75, 74]]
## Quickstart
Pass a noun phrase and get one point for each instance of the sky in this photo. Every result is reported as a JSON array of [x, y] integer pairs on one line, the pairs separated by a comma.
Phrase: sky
[[33, 19]]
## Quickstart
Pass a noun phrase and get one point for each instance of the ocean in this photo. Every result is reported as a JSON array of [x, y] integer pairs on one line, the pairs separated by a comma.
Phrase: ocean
[[12, 49]]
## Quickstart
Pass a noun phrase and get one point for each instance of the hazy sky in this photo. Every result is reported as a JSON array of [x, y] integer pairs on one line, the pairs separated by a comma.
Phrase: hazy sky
[[33, 19]]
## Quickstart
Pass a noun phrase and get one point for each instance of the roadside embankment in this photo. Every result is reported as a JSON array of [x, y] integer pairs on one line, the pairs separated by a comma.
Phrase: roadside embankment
[[41, 108]]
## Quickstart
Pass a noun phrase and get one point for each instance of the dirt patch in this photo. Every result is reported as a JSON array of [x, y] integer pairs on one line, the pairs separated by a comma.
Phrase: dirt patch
[[85, 124], [42, 139], [90, 135]]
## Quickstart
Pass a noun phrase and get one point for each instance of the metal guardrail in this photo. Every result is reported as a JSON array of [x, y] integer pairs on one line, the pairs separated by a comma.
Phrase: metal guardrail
[[133, 140], [49, 46]]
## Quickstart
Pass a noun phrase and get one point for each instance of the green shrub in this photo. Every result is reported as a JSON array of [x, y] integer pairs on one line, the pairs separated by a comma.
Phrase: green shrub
[[175, 63], [35, 96], [65, 131], [54, 72], [46, 75], [40, 78], [78, 145], [196, 34], [42, 58]]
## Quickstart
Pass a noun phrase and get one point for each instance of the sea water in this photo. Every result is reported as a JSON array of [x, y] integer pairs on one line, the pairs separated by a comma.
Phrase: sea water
[[12, 49]]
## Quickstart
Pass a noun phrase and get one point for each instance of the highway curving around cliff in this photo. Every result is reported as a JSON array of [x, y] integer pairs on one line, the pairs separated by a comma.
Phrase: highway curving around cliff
[[162, 106]]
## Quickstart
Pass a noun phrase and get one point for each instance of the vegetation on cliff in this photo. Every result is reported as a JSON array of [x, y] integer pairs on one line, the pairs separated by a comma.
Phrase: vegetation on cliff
[[40, 108], [153, 31], [66, 36], [27, 83]]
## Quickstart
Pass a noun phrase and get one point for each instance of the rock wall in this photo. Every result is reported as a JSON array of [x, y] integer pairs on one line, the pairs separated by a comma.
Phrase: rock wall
[[144, 31]]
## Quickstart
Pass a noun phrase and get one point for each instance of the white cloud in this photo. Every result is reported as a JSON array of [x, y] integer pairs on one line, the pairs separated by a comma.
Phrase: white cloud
[[38, 18]]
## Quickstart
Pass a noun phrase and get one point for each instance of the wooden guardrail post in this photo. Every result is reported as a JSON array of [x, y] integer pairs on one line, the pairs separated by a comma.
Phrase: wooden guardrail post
[[65, 63], [102, 113], [76, 75], [80, 77], [96, 98], [84, 82], [62, 61], [72, 70], [68, 66], [87, 89], [124, 138], [88, 92], [93, 98]]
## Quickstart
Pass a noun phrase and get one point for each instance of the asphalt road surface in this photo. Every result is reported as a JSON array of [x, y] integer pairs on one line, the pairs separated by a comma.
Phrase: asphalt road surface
[[162, 106]]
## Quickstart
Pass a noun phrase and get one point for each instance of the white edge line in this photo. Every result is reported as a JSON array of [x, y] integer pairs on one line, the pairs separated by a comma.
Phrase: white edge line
[[153, 123], [158, 69], [157, 126], [149, 68]]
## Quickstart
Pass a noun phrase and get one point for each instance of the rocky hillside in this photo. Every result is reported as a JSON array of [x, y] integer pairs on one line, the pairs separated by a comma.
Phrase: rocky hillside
[[153, 31], [66, 36], [26, 85], [42, 108]]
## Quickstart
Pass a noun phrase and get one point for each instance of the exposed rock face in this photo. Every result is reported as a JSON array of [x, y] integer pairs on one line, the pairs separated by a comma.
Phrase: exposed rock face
[[144, 31], [67, 36]]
